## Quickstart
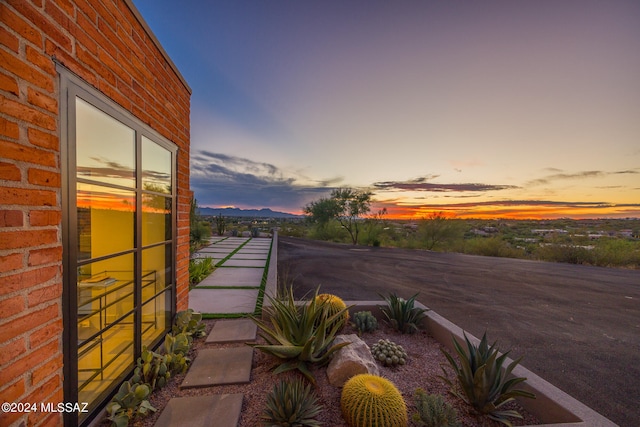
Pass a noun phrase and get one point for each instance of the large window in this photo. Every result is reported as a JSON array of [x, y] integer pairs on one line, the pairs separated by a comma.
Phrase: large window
[[119, 241]]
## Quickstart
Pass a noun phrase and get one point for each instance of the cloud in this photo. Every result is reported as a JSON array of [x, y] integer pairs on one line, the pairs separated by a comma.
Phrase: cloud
[[420, 184], [223, 180], [560, 176]]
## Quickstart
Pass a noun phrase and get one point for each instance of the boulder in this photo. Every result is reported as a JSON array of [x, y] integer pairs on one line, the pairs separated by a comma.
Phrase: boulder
[[350, 360]]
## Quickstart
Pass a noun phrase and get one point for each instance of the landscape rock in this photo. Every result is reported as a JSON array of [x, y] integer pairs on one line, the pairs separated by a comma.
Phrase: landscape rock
[[350, 360]]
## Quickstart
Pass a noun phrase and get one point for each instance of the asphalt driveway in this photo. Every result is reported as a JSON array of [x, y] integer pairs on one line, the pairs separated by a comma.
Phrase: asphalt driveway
[[578, 327]]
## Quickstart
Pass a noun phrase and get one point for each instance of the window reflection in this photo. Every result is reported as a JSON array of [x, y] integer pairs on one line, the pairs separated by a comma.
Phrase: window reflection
[[105, 148], [156, 218], [101, 210], [156, 167]]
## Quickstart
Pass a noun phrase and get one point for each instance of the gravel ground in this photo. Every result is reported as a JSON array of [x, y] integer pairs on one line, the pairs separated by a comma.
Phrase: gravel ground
[[422, 370]]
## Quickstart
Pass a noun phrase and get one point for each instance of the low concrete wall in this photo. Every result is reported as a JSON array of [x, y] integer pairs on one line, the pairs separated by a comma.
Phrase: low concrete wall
[[551, 405]]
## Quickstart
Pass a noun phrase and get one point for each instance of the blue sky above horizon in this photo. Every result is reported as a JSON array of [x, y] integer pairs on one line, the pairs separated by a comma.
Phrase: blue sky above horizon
[[493, 108]]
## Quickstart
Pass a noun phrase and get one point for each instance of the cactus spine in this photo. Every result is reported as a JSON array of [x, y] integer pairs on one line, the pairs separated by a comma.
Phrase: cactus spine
[[372, 401], [334, 305]]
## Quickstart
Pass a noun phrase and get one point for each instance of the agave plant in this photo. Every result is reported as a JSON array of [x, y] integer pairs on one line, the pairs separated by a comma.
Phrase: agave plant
[[292, 403], [401, 314], [484, 383], [300, 334]]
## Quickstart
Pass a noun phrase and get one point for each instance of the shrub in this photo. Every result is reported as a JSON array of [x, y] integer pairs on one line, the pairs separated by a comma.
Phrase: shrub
[[292, 403], [369, 400], [365, 321], [401, 314], [299, 335], [199, 269], [433, 411], [483, 381], [389, 353]]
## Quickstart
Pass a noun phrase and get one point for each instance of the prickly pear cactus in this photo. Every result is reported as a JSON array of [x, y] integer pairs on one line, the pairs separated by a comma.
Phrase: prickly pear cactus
[[389, 353], [372, 401]]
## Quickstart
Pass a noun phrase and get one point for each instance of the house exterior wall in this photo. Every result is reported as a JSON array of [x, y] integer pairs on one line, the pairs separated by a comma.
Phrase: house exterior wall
[[108, 45]]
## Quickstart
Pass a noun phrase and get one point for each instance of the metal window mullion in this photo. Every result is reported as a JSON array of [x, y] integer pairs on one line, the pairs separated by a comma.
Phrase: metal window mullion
[[137, 296]]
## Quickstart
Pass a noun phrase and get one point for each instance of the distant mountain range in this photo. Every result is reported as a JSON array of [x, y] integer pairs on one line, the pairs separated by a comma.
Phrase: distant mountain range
[[247, 213]]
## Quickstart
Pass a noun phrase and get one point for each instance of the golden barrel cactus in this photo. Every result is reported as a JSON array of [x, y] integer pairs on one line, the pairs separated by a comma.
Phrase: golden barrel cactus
[[372, 401], [334, 306]]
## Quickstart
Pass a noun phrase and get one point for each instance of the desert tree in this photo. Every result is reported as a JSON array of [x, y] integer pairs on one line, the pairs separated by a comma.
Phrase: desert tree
[[345, 205], [437, 229]]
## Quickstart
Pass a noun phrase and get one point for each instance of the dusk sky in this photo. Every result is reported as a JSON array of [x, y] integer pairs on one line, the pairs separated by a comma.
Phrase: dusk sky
[[521, 109]]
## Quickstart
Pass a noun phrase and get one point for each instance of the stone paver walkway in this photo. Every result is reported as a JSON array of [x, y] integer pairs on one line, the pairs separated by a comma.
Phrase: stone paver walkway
[[233, 288]]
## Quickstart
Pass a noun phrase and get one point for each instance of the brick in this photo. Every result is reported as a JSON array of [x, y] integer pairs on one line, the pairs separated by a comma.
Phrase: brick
[[87, 10], [38, 99], [89, 59], [83, 39], [27, 238], [12, 393], [46, 333], [21, 325], [11, 150], [41, 61], [10, 218], [28, 114], [41, 373], [45, 256], [10, 172], [9, 40], [43, 392], [9, 84], [19, 25], [25, 71], [50, 48], [43, 139], [9, 129], [42, 295], [10, 263], [12, 350], [27, 197], [43, 177], [42, 22], [27, 279], [41, 218]]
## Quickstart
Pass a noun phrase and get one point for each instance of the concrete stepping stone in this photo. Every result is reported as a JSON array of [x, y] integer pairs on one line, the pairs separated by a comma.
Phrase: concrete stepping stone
[[244, 255], [232, 262], [223, 301], [202, 411], [233, 277], [233, 330], [216, 366]]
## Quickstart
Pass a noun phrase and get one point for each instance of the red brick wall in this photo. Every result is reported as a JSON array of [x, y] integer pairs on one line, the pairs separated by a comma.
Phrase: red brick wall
[[102, 42]]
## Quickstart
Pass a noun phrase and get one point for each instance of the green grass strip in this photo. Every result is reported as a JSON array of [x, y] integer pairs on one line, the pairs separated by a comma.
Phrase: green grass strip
[[224, 315], [231, 254], [263, 284], [229, 287]]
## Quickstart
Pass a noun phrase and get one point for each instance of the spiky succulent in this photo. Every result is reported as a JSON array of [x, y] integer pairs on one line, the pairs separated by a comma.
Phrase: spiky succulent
[[333, 305], [151, 369], [485, 384], [401, 314], [189, 322], [372, 401], [389, 353], [365, 321], [433, 411], [292, 404], [299, 334]]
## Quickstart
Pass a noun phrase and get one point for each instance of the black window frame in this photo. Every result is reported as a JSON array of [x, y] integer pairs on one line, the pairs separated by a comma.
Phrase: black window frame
[[72, 86]]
